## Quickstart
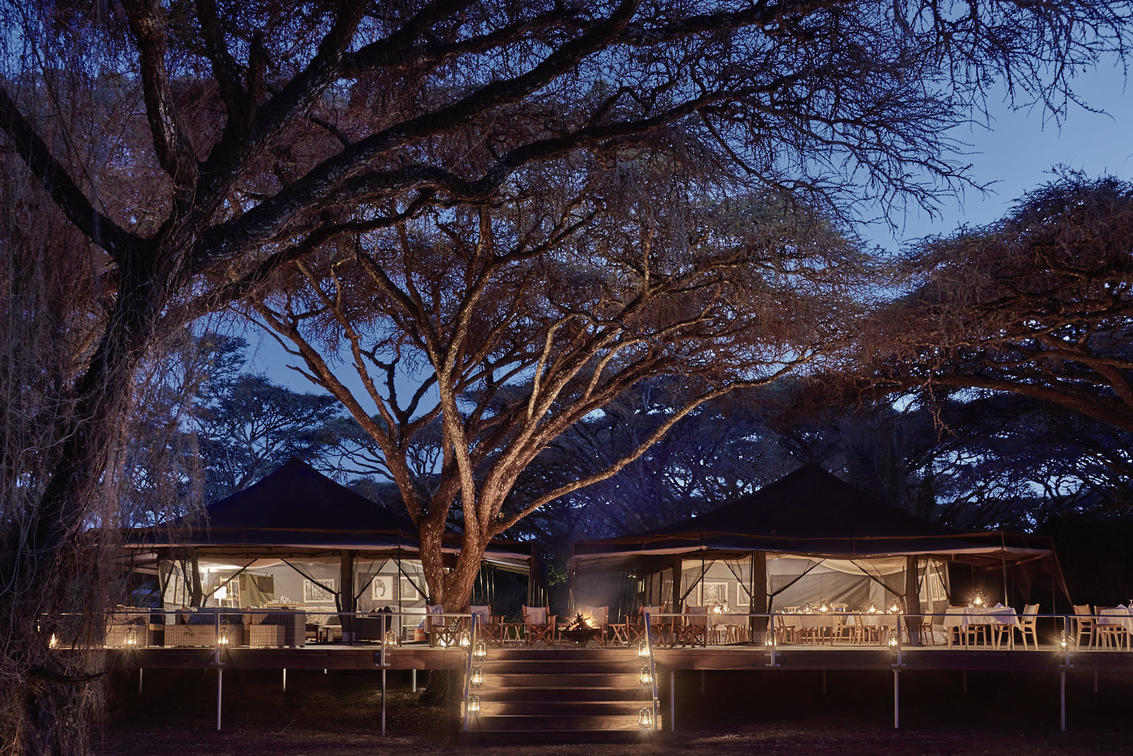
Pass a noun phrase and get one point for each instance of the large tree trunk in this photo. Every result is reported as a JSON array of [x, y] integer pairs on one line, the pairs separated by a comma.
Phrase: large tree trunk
[[51, 569]]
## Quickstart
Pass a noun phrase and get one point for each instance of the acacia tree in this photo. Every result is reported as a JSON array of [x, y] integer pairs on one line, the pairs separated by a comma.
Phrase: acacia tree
[[196, 147], [510, 326], [1039, 304]]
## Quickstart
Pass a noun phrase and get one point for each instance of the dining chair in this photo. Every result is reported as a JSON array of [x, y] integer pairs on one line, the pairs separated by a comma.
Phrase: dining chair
[[1028, 625], [1084, 624]]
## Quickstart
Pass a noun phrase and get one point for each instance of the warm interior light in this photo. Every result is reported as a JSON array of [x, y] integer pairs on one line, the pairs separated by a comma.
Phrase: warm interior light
[[892, 643], [894, 609], [979, 600], [872, 609], [473, 704], [646, 677], [131, 636], [52, 642], [824, 607], [645, 718], [770, 641], [481, 650], [477, 678], [1061, 642]]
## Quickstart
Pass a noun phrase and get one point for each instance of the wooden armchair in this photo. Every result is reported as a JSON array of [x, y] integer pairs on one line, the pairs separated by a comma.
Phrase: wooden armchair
[[539, 624], [489, 624], [693, 631], [658, 626], [443, 631], [1084, 624], [1027, 625]]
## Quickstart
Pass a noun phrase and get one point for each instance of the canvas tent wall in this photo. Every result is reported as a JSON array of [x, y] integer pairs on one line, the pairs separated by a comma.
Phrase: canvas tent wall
[[807, 537], [297, 538]]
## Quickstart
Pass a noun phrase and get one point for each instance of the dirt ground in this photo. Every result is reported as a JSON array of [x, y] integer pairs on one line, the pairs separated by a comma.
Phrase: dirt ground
[[340, 713]]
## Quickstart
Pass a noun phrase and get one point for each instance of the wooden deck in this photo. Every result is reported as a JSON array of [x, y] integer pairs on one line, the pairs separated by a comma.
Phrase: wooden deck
[[720, 658]]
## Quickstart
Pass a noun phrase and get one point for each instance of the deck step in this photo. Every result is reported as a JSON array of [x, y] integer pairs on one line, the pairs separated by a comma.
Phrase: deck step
[[560, 696]]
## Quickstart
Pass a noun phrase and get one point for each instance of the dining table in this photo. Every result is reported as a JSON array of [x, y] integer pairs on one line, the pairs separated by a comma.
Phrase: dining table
[[1118, 616], [969, 620]]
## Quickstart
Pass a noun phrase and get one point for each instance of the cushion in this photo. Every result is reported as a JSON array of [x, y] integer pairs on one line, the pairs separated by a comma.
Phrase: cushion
[[483, 612], [535, 615]]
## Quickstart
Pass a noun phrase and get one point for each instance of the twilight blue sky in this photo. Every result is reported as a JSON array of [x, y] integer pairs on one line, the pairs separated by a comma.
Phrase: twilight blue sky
[[1015, 153]]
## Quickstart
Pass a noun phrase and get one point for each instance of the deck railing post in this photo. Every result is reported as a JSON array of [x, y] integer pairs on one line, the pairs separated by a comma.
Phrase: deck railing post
[[285, 679], [896, 698]]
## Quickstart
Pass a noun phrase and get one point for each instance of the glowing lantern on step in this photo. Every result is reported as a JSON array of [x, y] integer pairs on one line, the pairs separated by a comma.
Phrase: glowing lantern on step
[[477, 677], [893, 644], [222, 641], [645, 718], [646, 677], [481, 650], [131, 636], [465, 639], [474, 704], [643, 650]]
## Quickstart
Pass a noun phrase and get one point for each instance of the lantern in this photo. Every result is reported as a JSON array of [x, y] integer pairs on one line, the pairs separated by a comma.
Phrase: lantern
[[1062, 642], [391, 638], [893, 644], [643, 650], [770, 641], [465, 639], [481, 650], [824, 607], [223, 639], [473, 704], [645, 718], [52, 642], [978, 600], [477, 677], [131, 636], [646, 677]]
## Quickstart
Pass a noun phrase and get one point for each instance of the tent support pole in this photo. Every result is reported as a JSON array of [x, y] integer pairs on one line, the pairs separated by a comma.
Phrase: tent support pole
[[759, 595], [912, 602], [285, 679]]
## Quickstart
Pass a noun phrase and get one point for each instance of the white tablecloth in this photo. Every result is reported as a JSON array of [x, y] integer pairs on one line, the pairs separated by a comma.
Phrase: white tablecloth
[[965, 616], [1118, 615]]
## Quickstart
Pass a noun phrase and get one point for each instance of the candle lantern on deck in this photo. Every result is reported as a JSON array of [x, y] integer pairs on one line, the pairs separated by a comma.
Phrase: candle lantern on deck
[[473, 704], [646, 677], [480, 651], [391, 638], [643, 650], [645, 718], [222, 640], [477, 677], [464, 639]]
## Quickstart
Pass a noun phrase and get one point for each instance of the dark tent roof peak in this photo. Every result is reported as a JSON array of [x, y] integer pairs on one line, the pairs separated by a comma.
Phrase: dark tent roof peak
[[808, 503], [297, 497]]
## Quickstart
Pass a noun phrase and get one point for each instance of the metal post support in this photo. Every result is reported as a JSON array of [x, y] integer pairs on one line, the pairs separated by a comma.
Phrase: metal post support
[[140, 671], [414, 677], [1062, 698], [219, 694], [285, 679], [672, 700], [896, 699], [383, 701]]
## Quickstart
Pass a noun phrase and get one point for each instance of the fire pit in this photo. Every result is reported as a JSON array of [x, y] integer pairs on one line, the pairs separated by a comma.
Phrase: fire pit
[[579, 631]]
